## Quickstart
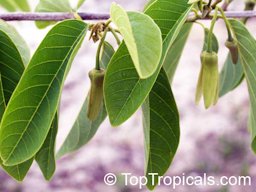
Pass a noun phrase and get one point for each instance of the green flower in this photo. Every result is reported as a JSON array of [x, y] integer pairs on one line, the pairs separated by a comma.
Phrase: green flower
[[208, 81], [96, 93]]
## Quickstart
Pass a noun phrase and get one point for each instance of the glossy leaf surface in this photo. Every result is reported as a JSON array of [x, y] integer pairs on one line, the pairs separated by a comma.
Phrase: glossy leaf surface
[[28, 117]]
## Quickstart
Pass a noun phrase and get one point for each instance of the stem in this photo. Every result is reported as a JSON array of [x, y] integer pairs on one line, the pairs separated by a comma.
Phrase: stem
[[97, 65], [77, 16], [248, 6], [209, 44], [230, 38], [115, 35], [195, 12], [95, 16], [201, 24], [210, 2], [226, 4], [216, 3], [200, 5], [108, 22]]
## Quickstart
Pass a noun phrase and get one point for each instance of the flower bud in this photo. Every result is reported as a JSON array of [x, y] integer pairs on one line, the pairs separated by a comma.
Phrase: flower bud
[[96, 93], [208, 82], [233, 49]]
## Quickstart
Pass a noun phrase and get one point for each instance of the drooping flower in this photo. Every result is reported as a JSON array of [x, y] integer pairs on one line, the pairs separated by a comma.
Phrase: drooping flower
[[208, 81]]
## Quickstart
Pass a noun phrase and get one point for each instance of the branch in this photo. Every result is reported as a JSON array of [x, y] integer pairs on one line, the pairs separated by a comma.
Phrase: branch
[[229, 14], [50, 16], [95, 16]]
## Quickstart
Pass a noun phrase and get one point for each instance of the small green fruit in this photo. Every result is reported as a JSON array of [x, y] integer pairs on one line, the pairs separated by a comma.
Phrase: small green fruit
[[96, 93]]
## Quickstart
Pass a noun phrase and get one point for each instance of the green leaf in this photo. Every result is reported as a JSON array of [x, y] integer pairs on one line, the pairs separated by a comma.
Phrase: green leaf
[[23, 5], [83, 130], [150, 2], [28, 117], [45, 157], [11, 63], [106, 54], [175, 52], [11, 69], [19, 171], [51, 6], [247, 50], [142, 38], [80, 3], [8, 5], [161, 128], [17, 39], [14, 5], [123, 101], [231, 76]]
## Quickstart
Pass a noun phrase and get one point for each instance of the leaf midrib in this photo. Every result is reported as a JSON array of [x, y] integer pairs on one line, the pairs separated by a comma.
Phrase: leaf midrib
[[136, 60], [162, 62], [44, 96]]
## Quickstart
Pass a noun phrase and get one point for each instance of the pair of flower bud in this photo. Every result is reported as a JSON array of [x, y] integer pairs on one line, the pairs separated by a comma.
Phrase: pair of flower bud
[[208, 81], [96, 93]]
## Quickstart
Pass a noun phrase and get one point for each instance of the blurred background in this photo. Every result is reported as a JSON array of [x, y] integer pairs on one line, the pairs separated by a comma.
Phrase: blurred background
[[215, 141]]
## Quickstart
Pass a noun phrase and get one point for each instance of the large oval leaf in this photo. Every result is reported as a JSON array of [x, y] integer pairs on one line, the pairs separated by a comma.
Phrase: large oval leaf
[[247, 50], [122, 101], [12, 67], [142, 38], [20, 54], [32, 107], [161, 128], [83, 129]]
